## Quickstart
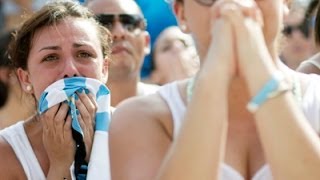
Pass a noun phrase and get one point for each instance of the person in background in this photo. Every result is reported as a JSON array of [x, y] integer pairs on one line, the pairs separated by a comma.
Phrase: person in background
[[297, 45], [131, 42], [2, 18], [61, 40], [312, 65], [11, 94], [245, 115], [16, 11], [174, 56], [159, 15]]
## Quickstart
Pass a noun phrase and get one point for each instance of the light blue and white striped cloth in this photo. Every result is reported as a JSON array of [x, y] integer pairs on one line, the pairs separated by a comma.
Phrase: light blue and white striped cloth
[[65, 90]]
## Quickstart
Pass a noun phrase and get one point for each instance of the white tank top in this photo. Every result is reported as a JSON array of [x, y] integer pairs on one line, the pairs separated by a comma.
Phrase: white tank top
[[311, 61], [310, 105], [16, 136]]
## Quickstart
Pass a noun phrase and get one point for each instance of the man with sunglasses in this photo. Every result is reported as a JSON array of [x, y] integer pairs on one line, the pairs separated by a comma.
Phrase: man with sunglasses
[[131, 43]]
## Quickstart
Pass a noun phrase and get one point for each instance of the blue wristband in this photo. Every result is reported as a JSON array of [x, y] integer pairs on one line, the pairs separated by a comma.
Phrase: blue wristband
[[275, 86]]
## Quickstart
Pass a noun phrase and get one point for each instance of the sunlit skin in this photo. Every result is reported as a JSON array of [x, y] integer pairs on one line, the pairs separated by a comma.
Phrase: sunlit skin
[[237, 41]]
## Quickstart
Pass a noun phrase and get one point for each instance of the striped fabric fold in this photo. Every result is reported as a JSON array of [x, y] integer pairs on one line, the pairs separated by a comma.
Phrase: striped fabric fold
[[65, 90]]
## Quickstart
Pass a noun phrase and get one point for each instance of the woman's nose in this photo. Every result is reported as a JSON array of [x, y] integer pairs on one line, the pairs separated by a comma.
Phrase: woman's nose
[[70, 69]]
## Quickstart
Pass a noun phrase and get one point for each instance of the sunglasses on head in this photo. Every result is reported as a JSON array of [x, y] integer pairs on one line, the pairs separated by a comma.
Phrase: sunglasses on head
[[130, 22], [289, 29]]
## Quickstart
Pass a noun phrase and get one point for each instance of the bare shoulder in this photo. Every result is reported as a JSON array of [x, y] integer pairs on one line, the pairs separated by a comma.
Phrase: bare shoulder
[[10, 167], [140, 135], [151, 108]]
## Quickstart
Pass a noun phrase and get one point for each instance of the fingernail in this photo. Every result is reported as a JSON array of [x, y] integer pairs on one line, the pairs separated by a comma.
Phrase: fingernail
[[76, 97], [86, 91], [77, 112], [79, 90]]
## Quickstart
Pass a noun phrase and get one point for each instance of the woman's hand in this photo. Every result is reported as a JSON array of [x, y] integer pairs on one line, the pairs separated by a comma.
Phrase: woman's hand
[[87, 107], [220, 59], [253, 56], [57, 138]]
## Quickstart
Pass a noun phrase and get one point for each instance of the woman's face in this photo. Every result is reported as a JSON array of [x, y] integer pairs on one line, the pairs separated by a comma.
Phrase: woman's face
[[70, 48], [197, 19]]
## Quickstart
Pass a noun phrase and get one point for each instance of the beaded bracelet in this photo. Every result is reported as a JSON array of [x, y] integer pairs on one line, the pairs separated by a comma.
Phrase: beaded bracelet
[[274, 87]]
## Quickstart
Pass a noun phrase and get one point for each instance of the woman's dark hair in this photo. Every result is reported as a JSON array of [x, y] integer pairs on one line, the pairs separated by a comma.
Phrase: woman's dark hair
[[4, 63], [312, 21], [5, 39], [51, 14], [317, 25]]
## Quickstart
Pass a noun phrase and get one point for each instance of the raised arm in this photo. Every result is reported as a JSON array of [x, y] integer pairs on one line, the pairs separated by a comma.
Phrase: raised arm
[[291, 146], [198, 152]]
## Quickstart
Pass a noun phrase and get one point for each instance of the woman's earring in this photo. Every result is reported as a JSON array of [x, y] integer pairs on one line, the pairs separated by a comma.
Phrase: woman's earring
[[29, 88]]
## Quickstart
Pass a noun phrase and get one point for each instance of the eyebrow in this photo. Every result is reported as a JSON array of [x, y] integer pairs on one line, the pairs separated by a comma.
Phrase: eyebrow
[[76, 45], [50, 48]]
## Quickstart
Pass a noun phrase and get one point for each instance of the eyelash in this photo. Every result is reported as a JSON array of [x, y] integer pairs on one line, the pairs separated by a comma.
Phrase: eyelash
[[88, 55], [52, 57]]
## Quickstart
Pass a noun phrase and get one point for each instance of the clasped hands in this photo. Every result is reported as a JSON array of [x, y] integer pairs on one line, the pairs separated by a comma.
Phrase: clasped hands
[[238, 45]]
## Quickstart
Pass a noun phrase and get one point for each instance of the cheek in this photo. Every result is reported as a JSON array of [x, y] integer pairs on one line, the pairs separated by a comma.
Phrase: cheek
[[39, 87], [95, 71]]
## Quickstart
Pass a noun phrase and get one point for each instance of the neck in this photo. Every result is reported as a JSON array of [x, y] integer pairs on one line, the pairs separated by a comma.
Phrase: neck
[[15, 109], [122, 89]]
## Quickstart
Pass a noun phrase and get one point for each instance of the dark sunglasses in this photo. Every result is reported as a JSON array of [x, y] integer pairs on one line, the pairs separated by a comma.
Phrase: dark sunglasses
[[288, 30], [130, 22], [205, 2]]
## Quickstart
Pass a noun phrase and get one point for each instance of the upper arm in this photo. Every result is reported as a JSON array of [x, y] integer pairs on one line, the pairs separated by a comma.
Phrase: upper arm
[[138, 141]]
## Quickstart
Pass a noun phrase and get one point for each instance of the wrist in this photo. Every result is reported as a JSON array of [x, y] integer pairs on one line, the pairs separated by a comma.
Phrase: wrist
[[275, 86], [59, 172]]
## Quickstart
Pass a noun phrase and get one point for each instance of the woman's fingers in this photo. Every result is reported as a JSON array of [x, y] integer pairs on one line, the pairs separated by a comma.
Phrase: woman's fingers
[[48, 116], [60, 117], [67, 129], [87, 107]]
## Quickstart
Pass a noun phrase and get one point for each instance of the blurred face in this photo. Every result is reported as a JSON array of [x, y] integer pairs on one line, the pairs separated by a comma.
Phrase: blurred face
[[130, 40], [175, 56], [71, 48], [197, 18], [298, 44]]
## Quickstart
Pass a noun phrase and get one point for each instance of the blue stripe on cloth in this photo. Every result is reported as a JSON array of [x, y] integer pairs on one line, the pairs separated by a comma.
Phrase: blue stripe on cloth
[[101, 123], [44, 105], [102, 91]]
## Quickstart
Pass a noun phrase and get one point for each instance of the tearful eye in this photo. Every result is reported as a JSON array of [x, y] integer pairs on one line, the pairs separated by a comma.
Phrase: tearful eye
[[84, 55], [50, 58]]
